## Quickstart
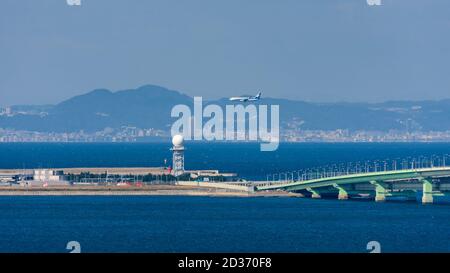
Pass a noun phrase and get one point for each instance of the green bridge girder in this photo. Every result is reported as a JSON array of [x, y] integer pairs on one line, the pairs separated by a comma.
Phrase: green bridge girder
[[375, 178]]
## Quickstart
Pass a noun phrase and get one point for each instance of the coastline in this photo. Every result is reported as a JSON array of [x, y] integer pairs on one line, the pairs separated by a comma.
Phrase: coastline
[[153, 190]]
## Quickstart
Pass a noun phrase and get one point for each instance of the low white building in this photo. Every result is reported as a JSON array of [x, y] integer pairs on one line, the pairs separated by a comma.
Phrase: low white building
[[48, 175], [5, 111]]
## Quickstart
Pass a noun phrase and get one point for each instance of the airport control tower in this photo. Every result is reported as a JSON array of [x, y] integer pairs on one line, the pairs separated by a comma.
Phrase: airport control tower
[[178, 155]]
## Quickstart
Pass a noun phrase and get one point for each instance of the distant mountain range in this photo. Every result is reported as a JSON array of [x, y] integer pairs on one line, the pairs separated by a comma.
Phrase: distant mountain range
[[149, 107]]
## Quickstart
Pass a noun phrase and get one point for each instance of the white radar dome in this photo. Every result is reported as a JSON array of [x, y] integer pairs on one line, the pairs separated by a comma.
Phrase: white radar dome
[[177, 140]]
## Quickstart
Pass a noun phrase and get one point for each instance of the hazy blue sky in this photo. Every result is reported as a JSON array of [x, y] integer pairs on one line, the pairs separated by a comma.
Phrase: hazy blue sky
[[316, 50]]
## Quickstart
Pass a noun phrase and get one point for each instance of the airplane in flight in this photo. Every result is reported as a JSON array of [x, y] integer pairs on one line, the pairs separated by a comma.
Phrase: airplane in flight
[[246, 98]]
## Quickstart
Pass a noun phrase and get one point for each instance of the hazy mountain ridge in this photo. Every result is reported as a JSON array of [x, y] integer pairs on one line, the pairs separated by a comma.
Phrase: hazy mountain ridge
[[149, 106]]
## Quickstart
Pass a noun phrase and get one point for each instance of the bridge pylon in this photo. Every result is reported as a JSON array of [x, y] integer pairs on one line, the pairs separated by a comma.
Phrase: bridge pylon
[[427, 192], [314, 193], [343, 194], [381, 191]]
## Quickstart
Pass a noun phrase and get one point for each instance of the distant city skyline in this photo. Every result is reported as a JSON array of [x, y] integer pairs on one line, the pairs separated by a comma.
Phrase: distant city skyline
[[319, 51]]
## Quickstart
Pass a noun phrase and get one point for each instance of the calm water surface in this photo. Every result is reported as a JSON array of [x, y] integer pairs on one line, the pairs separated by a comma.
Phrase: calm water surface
[[210, 224]]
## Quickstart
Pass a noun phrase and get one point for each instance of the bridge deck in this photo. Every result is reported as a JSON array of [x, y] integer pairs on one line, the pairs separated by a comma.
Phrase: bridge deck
[[398, 175]]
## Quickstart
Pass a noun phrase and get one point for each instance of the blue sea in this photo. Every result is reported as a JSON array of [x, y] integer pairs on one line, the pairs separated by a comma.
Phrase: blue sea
[[216, 224], [246, 159]]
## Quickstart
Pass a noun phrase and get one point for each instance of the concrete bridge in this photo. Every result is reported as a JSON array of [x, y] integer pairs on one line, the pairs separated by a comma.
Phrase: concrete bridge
[[429, 182]]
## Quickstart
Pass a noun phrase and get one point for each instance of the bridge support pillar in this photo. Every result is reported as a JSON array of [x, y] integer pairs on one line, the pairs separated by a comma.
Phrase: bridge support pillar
[[343, 195], [380, 191], [427, 195], [314, 194]]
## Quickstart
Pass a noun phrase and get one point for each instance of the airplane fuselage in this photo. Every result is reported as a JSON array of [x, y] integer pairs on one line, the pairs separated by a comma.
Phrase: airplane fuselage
[[243, 99], [246, 98]]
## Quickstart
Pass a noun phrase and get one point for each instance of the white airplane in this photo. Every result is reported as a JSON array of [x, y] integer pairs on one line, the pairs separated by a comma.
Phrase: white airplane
[[247, 98]]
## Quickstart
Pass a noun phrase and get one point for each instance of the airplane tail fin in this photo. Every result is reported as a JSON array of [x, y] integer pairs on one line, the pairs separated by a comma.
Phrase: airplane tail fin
[[259, 95]]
